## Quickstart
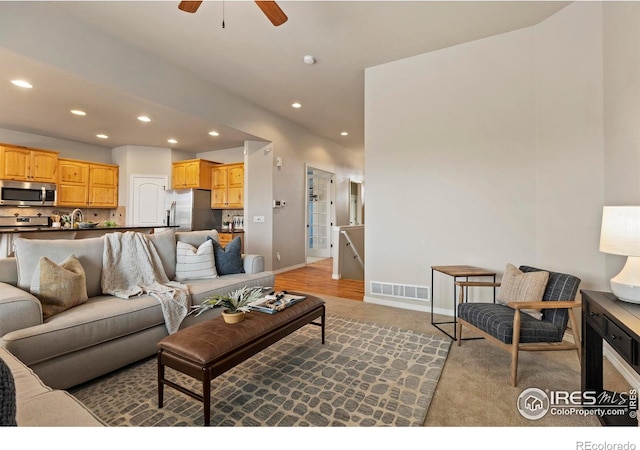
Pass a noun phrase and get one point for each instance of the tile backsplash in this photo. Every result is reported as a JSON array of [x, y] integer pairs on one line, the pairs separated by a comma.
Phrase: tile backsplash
[[90, 214]]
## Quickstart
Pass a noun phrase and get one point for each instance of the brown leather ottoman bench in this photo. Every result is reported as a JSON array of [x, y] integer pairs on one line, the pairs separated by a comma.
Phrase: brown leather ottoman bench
[[210, 348]]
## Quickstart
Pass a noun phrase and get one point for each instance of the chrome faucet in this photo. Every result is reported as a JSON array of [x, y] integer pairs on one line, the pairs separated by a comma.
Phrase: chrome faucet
[[76, 212]]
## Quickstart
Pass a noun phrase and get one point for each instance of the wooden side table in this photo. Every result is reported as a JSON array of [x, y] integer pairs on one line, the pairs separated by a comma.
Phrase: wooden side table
[[459, 271]]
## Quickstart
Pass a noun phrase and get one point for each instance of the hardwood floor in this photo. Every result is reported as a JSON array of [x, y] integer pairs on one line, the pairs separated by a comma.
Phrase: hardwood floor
[[316, 278]]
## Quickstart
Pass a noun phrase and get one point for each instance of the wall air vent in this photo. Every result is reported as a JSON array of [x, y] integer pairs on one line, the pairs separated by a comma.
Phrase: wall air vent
[[420, 293]]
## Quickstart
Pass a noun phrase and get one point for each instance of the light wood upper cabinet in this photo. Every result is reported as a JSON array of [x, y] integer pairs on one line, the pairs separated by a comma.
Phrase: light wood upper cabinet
[[227, 186], [103, 186], [88, 184], [192, 173], [73, 185], [25, 164]]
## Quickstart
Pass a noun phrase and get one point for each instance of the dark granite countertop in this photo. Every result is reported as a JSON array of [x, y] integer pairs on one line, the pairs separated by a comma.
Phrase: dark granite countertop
[[12, 230]]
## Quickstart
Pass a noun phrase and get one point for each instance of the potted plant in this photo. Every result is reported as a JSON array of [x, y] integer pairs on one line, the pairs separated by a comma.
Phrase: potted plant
[[236, 303]]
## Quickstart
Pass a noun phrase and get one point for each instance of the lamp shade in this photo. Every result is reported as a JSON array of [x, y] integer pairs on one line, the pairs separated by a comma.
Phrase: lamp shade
[[620, 235], [620, 232]]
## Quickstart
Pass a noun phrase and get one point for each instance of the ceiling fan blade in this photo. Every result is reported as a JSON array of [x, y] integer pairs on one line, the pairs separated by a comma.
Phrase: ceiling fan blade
[[273, 12], [189, 7]]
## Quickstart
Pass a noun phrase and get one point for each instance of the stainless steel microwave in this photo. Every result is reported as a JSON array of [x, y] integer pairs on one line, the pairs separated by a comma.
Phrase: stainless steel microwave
[[25, 193]]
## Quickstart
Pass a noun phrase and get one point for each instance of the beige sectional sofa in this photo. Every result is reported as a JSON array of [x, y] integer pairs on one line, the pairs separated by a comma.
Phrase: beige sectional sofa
[[106, 332], [39, 405]]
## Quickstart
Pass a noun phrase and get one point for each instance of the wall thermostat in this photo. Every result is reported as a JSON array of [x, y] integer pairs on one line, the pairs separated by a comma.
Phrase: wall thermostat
[[279, 203]]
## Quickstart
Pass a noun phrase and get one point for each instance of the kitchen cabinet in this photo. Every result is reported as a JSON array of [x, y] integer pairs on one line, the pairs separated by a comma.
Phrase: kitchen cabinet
[[103, 186], [73, 182], [227, 186], [88, 184], [192, 173], [27, 164]]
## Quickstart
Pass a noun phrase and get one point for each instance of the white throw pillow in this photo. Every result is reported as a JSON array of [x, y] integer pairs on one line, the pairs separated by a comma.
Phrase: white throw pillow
[[518, 286], [195, 263]]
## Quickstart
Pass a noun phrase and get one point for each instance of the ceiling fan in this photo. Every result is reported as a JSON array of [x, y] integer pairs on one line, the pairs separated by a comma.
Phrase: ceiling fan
[[269, 8]]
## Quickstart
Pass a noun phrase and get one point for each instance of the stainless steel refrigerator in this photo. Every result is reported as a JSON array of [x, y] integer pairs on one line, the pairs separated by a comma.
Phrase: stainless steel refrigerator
[[190, 210]]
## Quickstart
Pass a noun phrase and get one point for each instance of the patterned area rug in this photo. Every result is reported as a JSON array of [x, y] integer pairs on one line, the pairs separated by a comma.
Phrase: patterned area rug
[[364, 375]]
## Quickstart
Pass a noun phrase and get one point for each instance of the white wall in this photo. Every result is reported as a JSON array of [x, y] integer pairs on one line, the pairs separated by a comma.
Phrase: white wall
[[258, 179], [225, 156], [621, 24], [497, 146], [570, 142], [450, 139]]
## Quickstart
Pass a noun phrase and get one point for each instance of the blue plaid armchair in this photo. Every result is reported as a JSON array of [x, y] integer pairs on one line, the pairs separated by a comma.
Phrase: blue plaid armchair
[[507, 327]]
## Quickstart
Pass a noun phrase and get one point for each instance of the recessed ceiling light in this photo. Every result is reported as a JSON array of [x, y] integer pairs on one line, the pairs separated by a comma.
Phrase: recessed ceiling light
[[102, 136], [172, 141], [77, 112], [344, 133], [214, 133], [22, 84], [144, 119], [296, 105]]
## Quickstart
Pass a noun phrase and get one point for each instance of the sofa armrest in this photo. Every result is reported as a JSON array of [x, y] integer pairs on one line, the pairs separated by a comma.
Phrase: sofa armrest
[[253, 263], [18, 309]]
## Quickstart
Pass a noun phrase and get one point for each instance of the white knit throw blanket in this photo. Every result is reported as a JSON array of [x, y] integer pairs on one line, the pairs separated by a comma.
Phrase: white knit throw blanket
[[131, 267]]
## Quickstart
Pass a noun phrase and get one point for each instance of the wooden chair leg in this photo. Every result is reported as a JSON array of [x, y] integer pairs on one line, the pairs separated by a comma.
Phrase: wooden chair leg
[[576, 333], [514, 348]]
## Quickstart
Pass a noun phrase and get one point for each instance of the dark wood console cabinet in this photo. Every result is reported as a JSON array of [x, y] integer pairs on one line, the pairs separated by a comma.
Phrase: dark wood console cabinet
[[605, 318]]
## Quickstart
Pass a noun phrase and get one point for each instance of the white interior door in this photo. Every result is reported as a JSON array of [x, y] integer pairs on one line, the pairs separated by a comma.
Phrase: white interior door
[[319, 212], [148, 203]]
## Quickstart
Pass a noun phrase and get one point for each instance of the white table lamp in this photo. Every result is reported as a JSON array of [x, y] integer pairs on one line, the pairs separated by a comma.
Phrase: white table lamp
[[620, 235]]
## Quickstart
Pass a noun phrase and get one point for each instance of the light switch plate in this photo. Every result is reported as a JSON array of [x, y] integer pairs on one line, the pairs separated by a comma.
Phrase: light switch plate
[[258, 219]]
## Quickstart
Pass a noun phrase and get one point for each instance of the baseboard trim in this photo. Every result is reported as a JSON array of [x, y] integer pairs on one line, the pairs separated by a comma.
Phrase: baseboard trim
[[287, 269], [621, 366], [398, 303]]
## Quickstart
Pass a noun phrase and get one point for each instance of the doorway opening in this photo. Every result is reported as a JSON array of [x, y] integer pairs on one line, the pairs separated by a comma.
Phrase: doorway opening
[[320, 213], [356, 203]]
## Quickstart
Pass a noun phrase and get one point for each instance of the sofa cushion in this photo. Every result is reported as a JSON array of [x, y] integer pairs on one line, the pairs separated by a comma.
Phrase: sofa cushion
[[195, 263], [196, 238], [88, 251], [99, 320], [517, 286], [59, 287], [229, 258], [165, 244]]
